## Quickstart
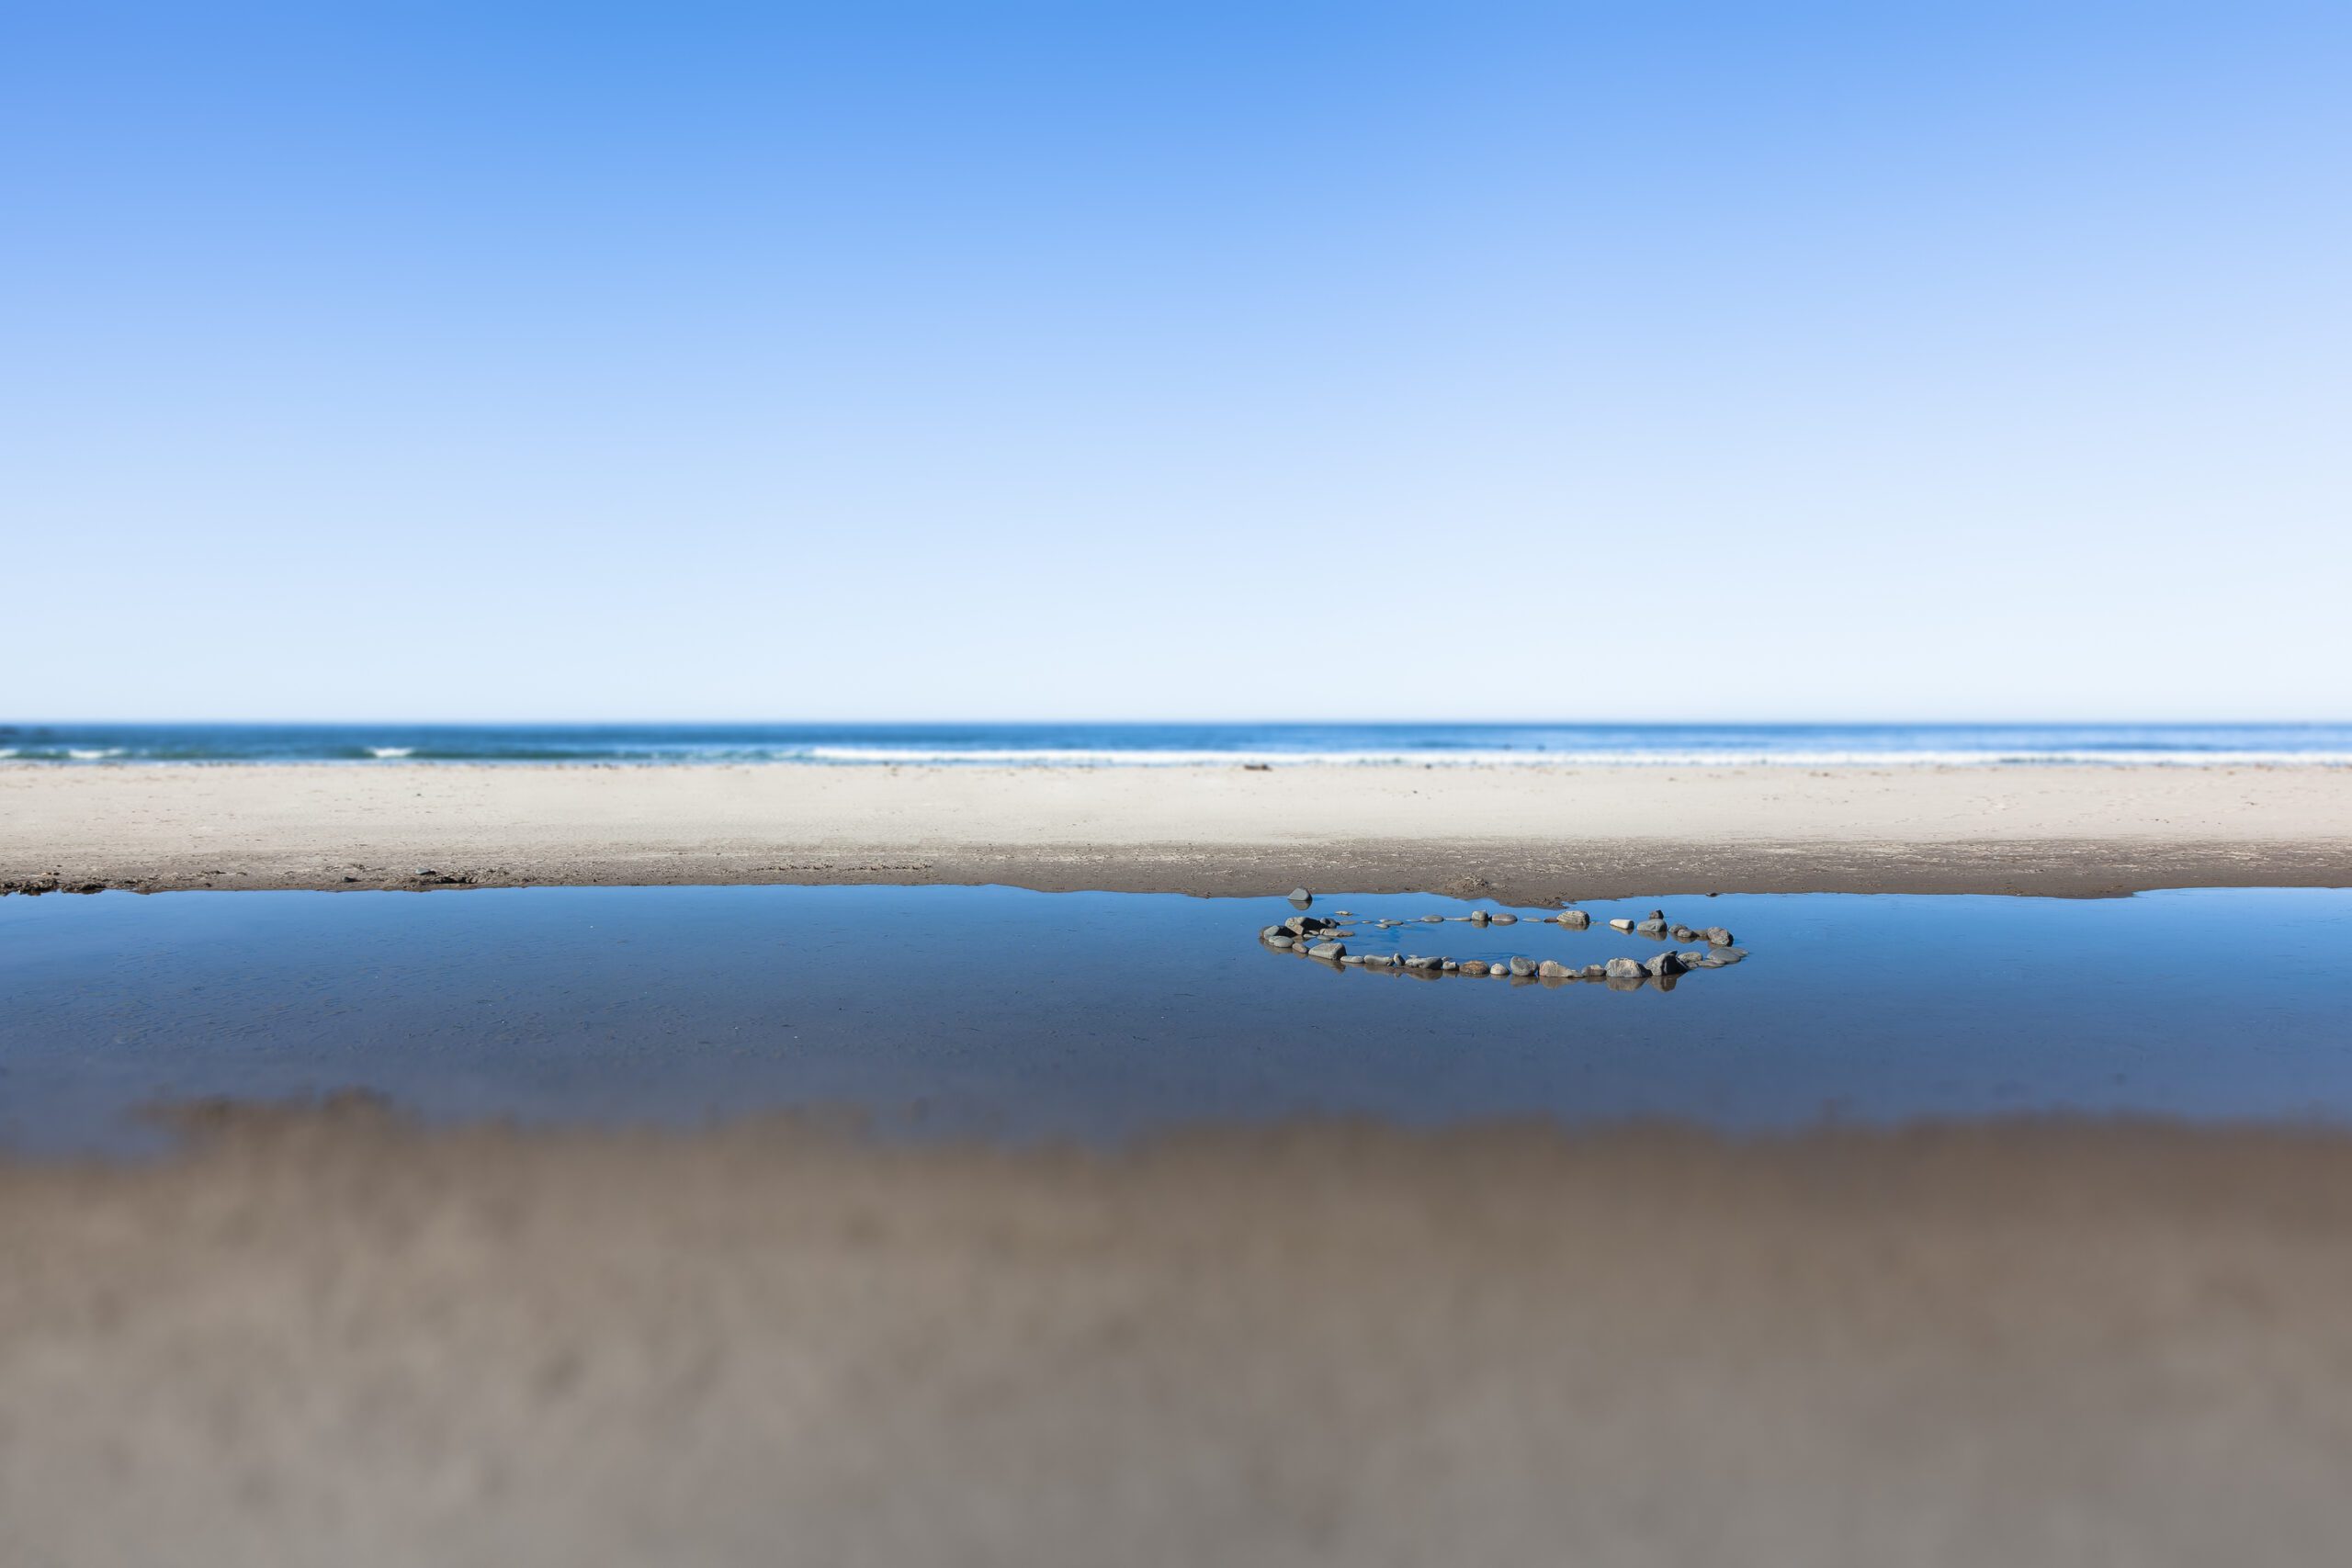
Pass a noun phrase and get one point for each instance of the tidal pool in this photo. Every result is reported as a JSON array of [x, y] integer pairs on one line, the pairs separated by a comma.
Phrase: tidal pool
[[1001, 1013]]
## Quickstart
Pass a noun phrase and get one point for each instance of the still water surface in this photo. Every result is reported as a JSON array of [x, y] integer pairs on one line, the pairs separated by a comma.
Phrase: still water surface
[[1003, 1014]]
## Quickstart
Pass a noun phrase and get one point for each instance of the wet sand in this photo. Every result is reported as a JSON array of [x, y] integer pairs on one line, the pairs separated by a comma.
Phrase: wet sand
[[1528, 834], [328, 1337]]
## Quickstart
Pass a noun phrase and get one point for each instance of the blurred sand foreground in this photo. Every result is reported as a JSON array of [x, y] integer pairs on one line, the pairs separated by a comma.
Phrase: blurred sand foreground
[[1526, 834], [325, 1337]]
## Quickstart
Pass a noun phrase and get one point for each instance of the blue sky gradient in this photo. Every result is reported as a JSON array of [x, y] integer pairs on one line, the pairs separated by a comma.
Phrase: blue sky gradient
[[1023, 361]]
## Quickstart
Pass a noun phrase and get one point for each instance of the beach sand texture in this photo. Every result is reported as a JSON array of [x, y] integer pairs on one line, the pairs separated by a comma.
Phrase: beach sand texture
[[1530, 834], [326, 1338]]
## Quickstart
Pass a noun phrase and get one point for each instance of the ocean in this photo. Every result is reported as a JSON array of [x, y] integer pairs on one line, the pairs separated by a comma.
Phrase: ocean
[[1816, 745]]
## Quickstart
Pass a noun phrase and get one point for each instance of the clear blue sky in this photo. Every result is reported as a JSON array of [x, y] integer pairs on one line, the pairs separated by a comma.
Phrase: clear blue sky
[[1612, 361]]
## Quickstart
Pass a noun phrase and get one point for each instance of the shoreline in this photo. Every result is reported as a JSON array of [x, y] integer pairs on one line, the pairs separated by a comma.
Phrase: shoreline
[[1534, 837], [1531, 837]]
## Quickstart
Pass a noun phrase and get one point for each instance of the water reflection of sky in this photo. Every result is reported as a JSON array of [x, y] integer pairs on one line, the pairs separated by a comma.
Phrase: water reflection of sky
[[1017, 1014]]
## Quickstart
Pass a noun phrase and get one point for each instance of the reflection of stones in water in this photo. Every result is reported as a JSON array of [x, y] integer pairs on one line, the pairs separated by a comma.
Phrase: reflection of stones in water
[[1626, 982], [1667, 982]]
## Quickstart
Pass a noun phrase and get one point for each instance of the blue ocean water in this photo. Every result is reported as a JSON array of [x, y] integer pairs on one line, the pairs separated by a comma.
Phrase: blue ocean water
[[1134, 744]]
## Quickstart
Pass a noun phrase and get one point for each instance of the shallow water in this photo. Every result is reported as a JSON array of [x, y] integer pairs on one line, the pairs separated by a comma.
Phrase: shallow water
[[1019, 1015]]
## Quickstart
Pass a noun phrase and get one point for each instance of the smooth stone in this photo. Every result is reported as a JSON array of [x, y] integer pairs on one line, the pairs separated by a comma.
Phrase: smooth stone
[[1379, 960], [1659, 915], [1474, 966], [1683, 933], [1352, 958], [1596, 971], [1522, 965], [1448, 966], [1432, 920], [1622, 969], [1301, 896], [1692, 958], [1575, 920], [1664, 965], [1552, 969], [1651, 928], [1282, 940], [1480, 917], [1505, 919], [1620, 925], [1728, 954], [1718, 936], [1327, 949], [1344, 914]]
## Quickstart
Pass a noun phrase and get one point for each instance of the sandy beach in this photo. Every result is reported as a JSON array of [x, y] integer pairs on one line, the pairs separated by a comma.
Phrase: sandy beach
[[326, 1333], [326, 1337], [1530, 834]]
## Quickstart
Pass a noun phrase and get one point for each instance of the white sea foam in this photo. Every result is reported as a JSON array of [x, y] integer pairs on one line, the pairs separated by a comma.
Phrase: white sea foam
[[388, 753], [82, 756], [1120, 757]]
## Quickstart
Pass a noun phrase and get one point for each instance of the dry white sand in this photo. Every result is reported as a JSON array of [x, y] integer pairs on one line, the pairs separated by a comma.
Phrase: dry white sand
[[326, 1339], [1532, 832]]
